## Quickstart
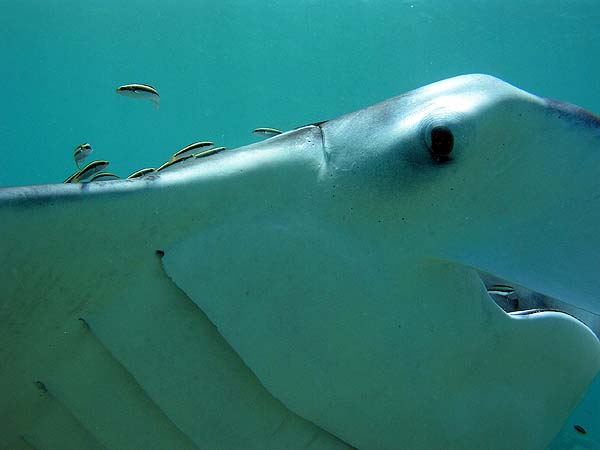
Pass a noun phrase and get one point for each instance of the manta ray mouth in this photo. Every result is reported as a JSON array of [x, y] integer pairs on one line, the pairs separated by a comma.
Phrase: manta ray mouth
[[521, 301], [528, 312]]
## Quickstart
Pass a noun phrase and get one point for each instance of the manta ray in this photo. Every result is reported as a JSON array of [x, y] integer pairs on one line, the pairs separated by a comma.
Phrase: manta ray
[[321, 289]]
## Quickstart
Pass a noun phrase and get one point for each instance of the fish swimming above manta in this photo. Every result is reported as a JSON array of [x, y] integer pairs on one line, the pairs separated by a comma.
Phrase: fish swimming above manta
[[320, 289]]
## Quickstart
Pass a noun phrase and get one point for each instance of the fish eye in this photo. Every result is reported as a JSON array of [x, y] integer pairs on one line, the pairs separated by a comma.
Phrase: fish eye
[[441, 143], [443, 132]]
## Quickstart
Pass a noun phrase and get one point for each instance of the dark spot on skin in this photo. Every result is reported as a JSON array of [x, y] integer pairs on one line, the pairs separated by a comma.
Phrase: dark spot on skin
[[160, 253], [442, 143], [579, 429]]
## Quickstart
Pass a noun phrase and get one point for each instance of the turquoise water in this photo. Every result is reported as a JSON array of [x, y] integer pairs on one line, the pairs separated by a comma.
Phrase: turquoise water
[[223, 68]]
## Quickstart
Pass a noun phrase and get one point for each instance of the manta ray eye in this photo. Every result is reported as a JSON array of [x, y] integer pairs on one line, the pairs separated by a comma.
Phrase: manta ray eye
[[442, 143]]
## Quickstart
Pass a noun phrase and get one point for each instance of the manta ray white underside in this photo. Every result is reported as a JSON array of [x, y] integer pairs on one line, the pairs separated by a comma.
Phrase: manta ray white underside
[[321, 289]]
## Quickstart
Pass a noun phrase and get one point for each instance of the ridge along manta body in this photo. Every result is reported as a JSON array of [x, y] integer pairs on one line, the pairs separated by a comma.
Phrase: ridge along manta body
[[339, 261]]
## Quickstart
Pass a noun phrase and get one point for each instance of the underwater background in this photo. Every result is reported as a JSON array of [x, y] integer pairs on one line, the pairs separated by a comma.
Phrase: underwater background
[[225, 67]]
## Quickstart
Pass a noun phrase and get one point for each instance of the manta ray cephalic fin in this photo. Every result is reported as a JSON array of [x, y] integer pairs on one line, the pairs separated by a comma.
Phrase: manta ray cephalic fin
[[425, 340]]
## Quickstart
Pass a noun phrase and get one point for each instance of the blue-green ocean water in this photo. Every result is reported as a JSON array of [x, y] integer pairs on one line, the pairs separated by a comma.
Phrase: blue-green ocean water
[[224, 67]]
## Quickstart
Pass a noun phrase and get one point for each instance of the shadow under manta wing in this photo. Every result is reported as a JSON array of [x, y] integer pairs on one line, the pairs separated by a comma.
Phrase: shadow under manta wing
[[379, 347]]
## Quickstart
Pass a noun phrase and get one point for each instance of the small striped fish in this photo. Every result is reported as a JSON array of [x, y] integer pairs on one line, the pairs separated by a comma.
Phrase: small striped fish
[[81, 153], [189, 150], [104, 176], [140, 173], [140, 91], [266, 132]]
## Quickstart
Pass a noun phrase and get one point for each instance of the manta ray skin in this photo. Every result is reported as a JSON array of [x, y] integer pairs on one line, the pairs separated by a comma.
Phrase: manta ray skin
[[317, 290]]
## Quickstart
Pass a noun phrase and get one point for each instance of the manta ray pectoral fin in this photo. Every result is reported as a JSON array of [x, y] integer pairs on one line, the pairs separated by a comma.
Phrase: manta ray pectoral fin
[[143, 351], [367, 343]]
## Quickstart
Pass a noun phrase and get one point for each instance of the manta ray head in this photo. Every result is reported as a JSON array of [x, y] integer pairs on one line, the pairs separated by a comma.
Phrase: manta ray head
[[484, 174], [352, 286]]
